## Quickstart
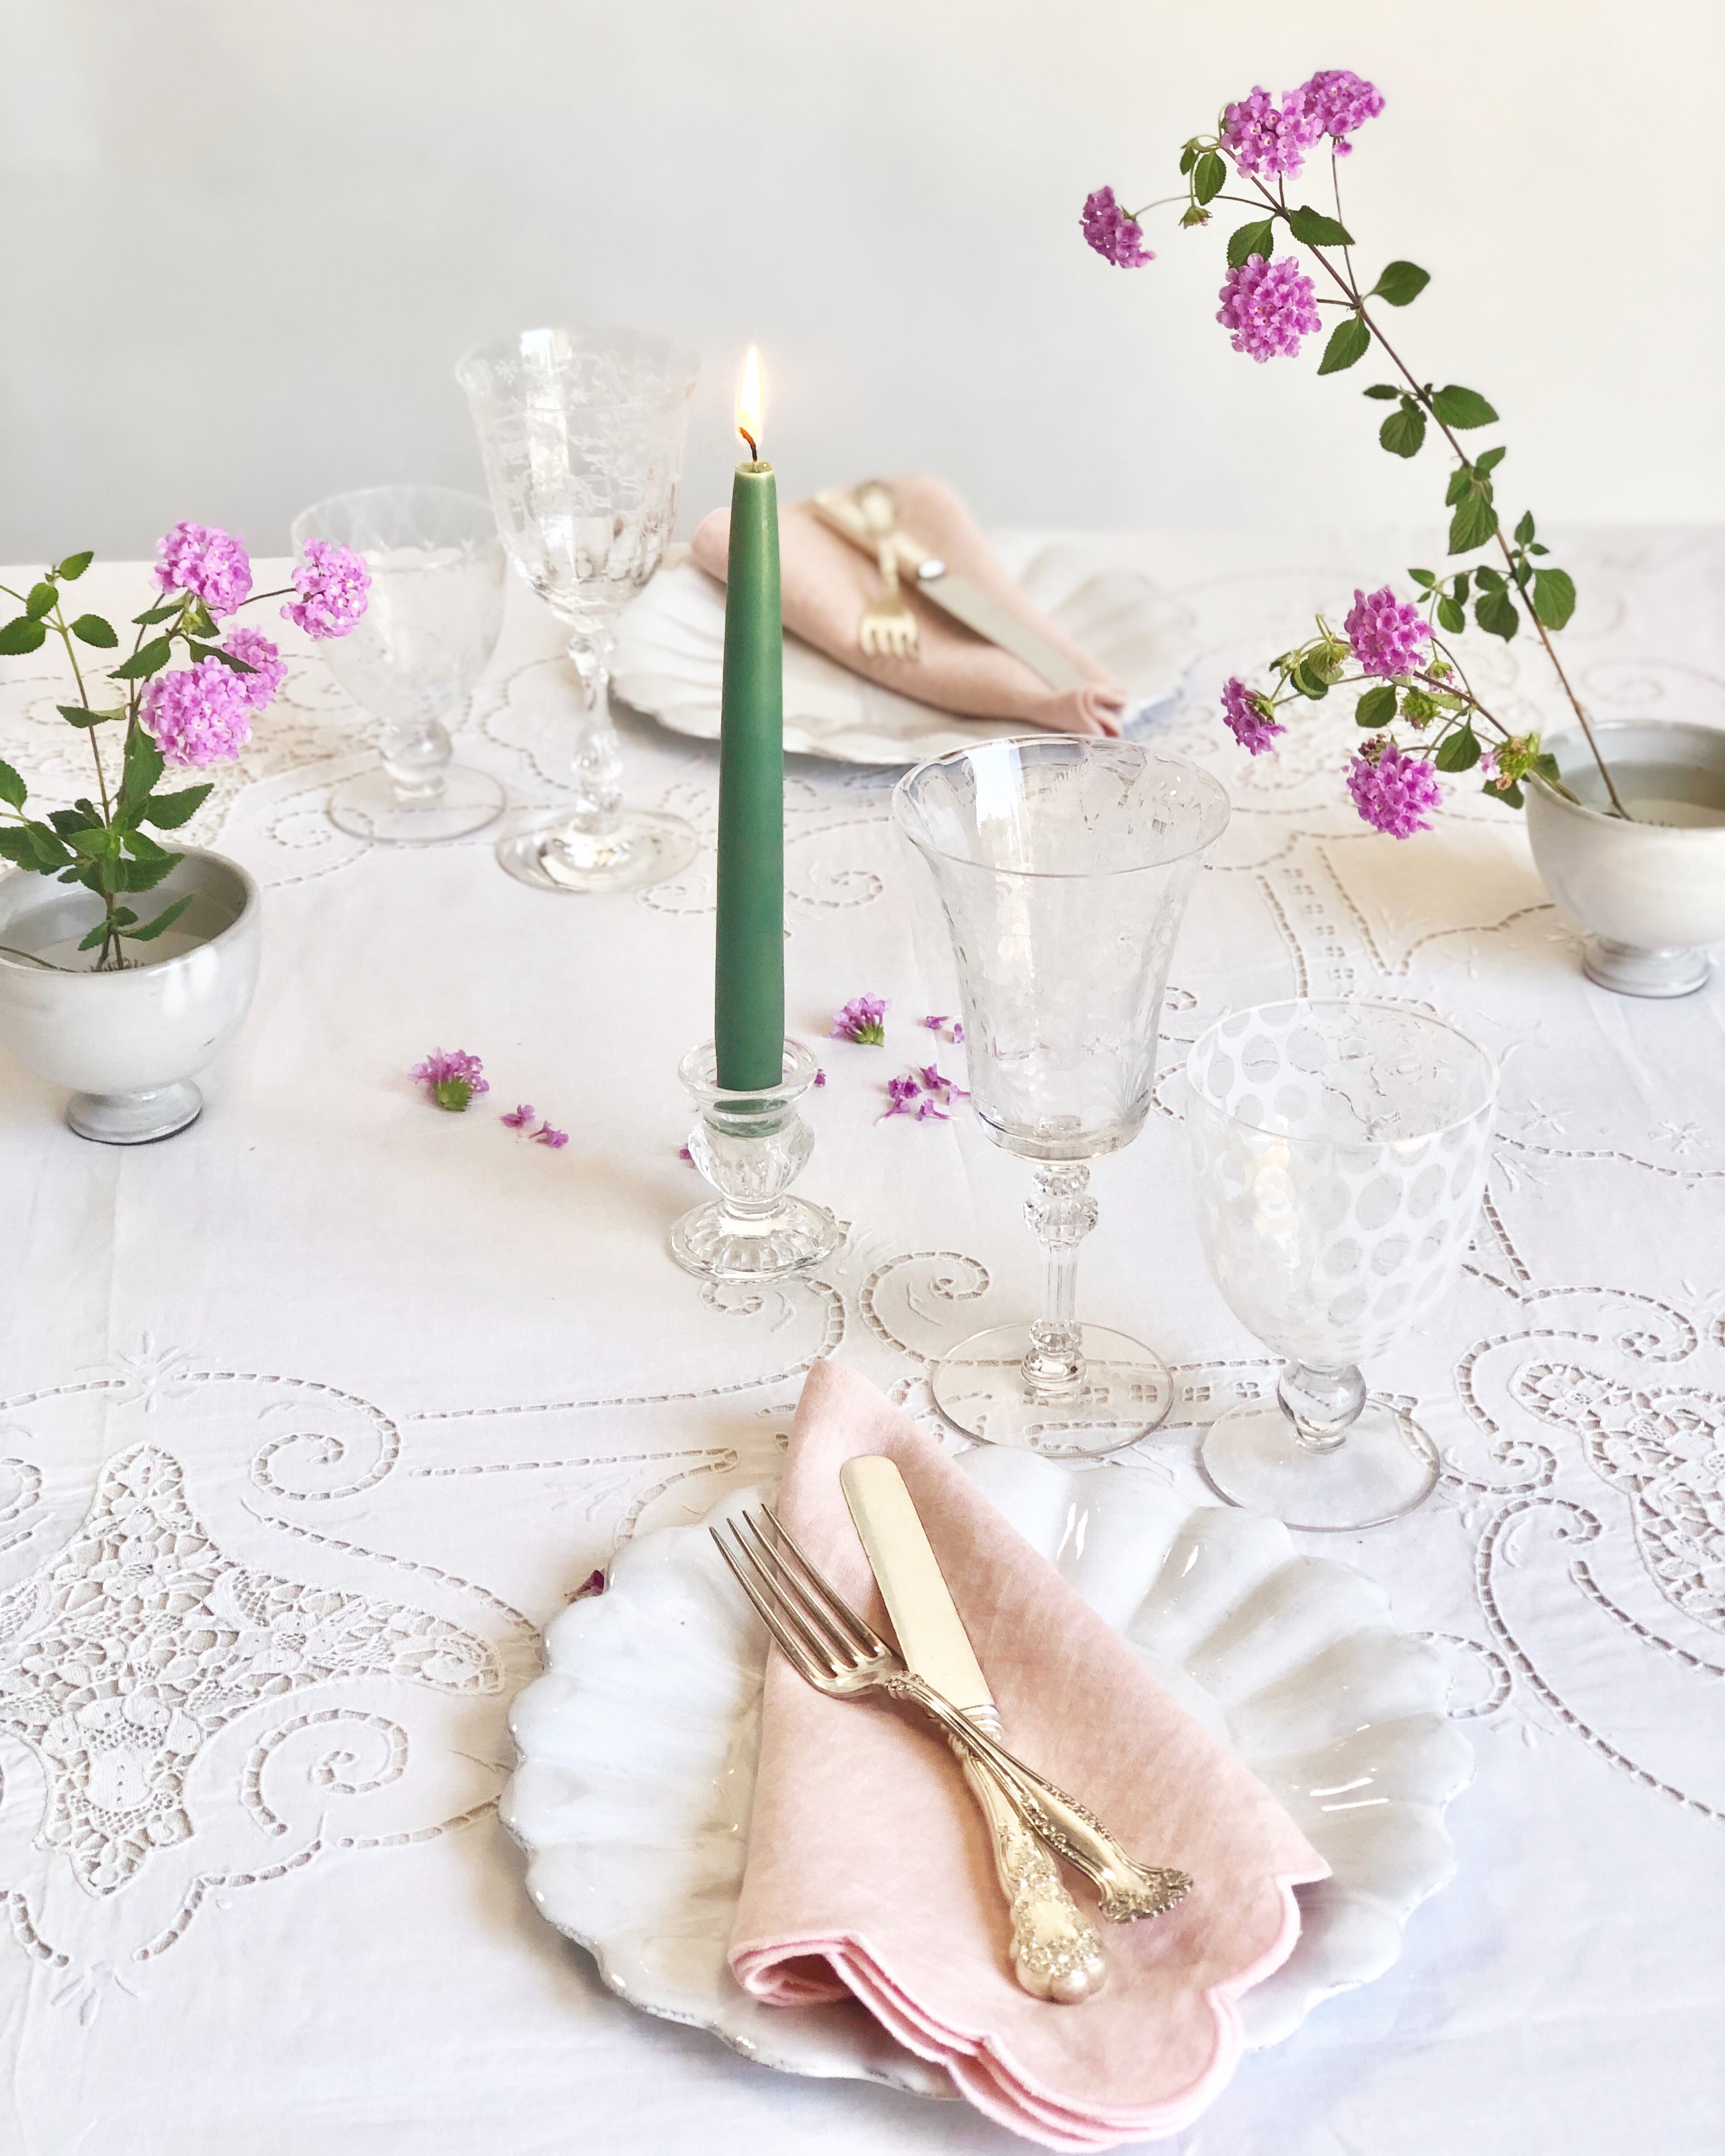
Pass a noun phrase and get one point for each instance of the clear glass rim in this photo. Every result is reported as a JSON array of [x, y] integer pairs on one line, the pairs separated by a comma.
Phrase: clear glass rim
[[1215, 826], [298, 530], [1493, 1070], [676, 358]]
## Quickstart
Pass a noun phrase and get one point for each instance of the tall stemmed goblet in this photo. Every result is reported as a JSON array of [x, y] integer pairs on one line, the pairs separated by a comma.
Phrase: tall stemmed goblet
[[582, 435], [1339, 1152], [1063, 867], [431, 624]]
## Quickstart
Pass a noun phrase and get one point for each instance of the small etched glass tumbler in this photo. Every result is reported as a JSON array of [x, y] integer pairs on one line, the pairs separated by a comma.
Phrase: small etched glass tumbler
[[432, 620], [582, 435], [1063, 868], [1339, 1152]]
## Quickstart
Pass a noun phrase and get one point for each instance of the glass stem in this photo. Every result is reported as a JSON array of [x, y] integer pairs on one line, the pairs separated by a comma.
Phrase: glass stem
[[1062, 1214], [416, 756], [1321, 1404], [598, 762]]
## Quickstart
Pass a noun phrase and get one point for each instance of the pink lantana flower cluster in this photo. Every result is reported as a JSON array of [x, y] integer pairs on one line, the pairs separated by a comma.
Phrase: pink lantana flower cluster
[[1388, 634], [1267, 138], [1268, 307], [1393, 792], [332, 582], [1116, 237]]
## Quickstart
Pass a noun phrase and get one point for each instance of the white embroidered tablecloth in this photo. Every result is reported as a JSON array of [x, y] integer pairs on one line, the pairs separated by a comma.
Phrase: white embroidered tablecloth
[[310, 1418]]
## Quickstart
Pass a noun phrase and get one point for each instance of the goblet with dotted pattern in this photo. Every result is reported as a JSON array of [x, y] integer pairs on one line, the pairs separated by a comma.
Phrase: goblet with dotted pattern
[[1339, 1151]]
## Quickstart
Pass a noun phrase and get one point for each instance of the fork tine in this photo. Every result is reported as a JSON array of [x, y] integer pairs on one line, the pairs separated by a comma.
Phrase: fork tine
[[841, 1651], [792, 1612], [865, 1637], [793, 1652]]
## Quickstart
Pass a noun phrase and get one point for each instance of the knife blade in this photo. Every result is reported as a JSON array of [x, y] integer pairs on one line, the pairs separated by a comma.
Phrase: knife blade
[[931, 1637], [958, 595]]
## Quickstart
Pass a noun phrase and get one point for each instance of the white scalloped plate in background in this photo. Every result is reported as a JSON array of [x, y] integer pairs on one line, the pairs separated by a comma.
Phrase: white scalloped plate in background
[[636, 1777]]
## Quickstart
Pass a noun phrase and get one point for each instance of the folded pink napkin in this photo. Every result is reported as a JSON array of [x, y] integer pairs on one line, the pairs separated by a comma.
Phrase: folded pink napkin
[[869, 1866], [826, 582]]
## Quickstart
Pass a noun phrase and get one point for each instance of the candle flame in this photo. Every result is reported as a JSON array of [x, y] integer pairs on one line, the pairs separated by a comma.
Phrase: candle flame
[[748, 402]]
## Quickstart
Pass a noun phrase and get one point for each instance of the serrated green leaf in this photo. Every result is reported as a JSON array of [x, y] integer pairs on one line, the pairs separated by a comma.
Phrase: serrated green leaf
[[1308, 682], [165, 919], [99, 934], [1312, 228], [1524, 529], [227, 658], [1423, 578], [75, 566], [91, 629], [1511, 797], [74, 715], [1377, 707], [1209, 175], [21, 633], [168, 811], [1496, 614], [1404, 431], [40, 599], [151, 615], [1460, 481], [145, 874], [1401, 282], [1487, 578], [1554, 596], [1461, 407], [65, 821], [1250, 240], [1489, 459], [1472, 525], [12, 789], [144, 767], [149, 659], [1459, 591], [1534, 547], [1459, 750], [1349, 341], [1382, 390], [142, 847], [1451, 617], [1546, 764], [1188, 158]]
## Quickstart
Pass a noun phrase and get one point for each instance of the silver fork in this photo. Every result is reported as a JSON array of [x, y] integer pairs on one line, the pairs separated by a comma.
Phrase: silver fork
[[831, 1648], [888, 629]]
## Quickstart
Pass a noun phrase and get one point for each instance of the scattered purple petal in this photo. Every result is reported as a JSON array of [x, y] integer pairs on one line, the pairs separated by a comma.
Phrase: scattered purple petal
[[546, 1136], [900, 1092], [453, 1078], [927, 1108], [684, 1153], [820, 1076], [863, 1019], [594, 1584], [519, 1118]]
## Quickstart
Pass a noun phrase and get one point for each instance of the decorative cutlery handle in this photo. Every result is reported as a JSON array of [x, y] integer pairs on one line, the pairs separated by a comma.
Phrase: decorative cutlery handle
[[1056, 1951], [1127, 1889]]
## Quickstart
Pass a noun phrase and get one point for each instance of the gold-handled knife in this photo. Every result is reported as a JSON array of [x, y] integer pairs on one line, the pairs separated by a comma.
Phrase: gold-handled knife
[[838, 508], [1056, 1951]]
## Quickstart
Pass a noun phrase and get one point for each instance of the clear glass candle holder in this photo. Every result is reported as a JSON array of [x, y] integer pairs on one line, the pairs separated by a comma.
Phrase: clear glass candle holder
[[1339, 1152], [751, 1147]]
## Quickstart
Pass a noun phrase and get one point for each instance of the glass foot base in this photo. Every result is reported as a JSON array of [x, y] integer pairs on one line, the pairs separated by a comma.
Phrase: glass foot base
[[366, 807], [642, 848], [979, 1387], [711, 1241], [135, 1118], [1384, 1466], [1632, 971]]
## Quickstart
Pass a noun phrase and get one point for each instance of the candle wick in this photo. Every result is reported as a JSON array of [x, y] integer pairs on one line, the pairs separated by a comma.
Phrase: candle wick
[[754, 451]]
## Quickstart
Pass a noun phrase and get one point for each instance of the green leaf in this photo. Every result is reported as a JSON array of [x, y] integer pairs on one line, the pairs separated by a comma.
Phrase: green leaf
[[151, 615], [1308, 682], [1511, 797], [1524, 529], [1487, 578], [13, 789], [75, 566], [41, 600], [91, 629], [1554, 596], [1534, 547], [1423, 578], [1377, 707], [198, 620], [1209, 175], [144, 767], [1383, 390], [1489, 459], [99, 934], [168, 811], [1472, 525], [1459, 592], [1251, 239], [1459, 750], [1349, 341], [1404, 431], [1450, 616], [1188, 158], [165, 919], [65, 821], [1311, 228], [1461, 407], [21, 635], [145, 874], [1546, 764], [215, 651], [1496, 614], [151, 659], [1401, 282], [74, 715]]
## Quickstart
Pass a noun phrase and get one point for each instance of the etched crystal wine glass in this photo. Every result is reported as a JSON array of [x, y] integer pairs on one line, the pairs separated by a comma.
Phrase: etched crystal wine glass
[[1063, 867], [432, 620], [1339, 1152], [581, 434]]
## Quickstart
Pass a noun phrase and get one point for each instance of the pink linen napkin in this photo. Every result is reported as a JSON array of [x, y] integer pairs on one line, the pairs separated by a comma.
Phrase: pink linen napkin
[[869, 1867], [826, 582]]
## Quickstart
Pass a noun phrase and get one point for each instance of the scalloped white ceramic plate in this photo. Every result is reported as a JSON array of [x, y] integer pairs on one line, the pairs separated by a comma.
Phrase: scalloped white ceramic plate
[[670, 649], [637, 1747]]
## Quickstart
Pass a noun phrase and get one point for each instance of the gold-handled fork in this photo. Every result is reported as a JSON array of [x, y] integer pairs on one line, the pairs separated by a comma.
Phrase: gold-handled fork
[[832, 1648], [888, 628]]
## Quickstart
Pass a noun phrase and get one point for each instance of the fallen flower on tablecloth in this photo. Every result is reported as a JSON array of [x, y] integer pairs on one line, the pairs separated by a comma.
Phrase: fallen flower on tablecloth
[[518, 1118], [952, 1028], [452, 1078], [925, 1094], [862, 1020], [546, 1136]]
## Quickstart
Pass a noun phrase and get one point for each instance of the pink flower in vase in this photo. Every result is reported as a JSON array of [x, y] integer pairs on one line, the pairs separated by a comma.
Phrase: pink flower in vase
[[1393, 791], [1249, 717], [253, 648], [198, 715], [1388, 634]]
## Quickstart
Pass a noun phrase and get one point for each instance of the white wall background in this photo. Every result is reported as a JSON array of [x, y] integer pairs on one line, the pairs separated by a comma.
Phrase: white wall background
[[243, 244]]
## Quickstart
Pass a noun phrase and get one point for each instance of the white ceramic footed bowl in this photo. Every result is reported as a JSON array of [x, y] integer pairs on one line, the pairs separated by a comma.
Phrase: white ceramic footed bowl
[[126, 1044], [1650, 893], [637, 1747]]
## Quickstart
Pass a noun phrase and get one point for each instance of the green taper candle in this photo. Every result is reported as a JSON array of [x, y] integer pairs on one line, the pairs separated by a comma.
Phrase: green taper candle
[[748, 1017]]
